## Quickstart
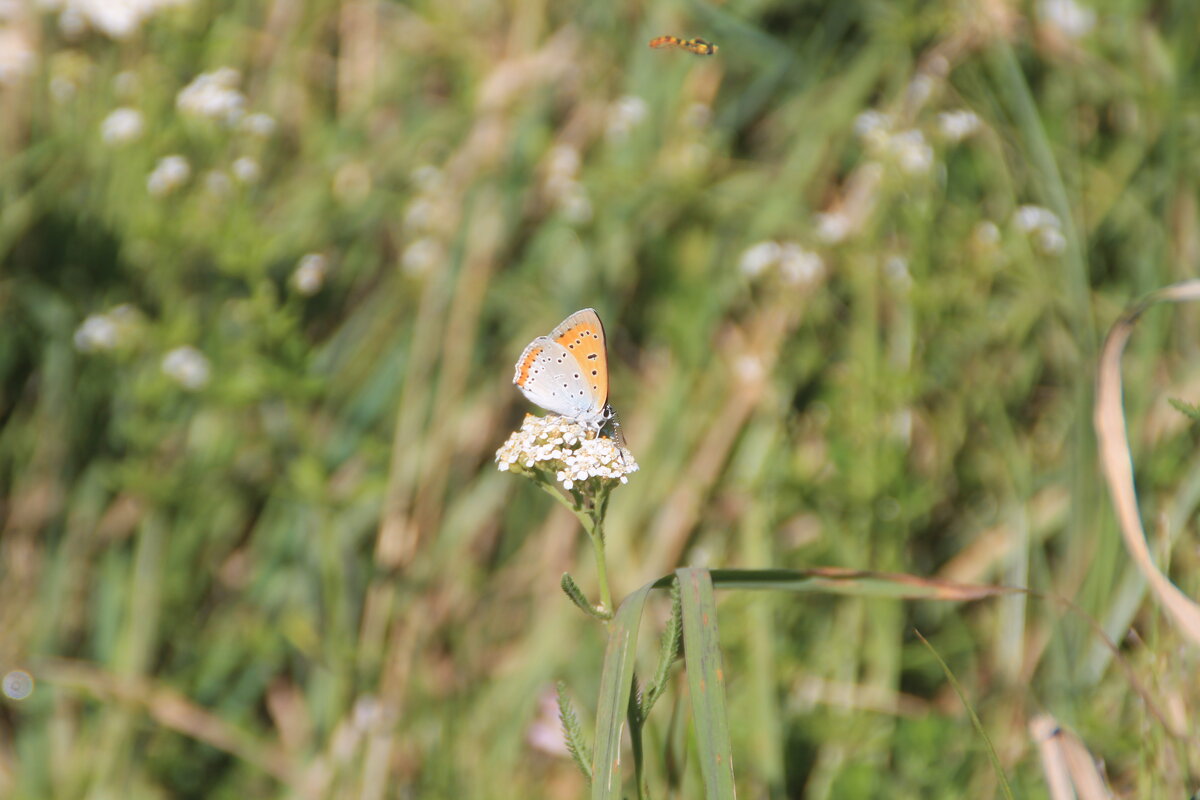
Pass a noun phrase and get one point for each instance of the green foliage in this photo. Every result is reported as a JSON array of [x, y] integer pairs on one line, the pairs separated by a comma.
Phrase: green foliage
[[253, 542], [573, 734], [1189, 410]]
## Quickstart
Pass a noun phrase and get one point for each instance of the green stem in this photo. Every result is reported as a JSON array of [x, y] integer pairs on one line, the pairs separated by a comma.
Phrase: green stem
[[595, 531]]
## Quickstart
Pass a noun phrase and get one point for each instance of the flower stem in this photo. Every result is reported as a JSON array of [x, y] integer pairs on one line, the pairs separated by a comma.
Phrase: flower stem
[[595, 529]]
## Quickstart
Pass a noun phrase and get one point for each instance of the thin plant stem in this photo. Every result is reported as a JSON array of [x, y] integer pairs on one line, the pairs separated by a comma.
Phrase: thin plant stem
[[595, 530]]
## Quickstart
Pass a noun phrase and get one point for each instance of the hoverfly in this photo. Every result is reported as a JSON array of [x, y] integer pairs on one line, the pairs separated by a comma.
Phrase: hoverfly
[[698, 46]]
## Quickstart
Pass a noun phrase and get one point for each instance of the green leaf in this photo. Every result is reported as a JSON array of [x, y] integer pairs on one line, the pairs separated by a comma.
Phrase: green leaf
[[706, 680], [668, 652], [616, 682], [572, 732], [573, 591], [1189, 410]]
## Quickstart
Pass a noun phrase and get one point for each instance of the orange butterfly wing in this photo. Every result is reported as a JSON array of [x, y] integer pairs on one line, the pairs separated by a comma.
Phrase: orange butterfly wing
[[583, 334]]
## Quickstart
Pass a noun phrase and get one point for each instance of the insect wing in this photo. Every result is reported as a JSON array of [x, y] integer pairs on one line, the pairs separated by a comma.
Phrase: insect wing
[[582, 334], [549, 376]]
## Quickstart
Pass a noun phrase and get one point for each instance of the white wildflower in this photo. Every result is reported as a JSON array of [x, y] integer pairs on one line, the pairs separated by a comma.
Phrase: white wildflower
[[421, 256], [213, 95], [920, 88], [310, 273], [871, 122], [986, 232], [122, 125], [98, 333], [17, 684], [188, 367], [72, 23], [757, 258], [107, 331], [117, 19], [247, 170], [169, 174], [625, 115], [557, 446], [259, 124], [1051, 241], [833, 226], [958, 125], [1029, 218], [1073, 19], [1043, 226], [800, 267], [912, 151], [419, 214]]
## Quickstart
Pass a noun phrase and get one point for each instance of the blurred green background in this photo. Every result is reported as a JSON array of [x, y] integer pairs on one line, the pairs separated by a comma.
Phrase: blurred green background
[[264, 272]]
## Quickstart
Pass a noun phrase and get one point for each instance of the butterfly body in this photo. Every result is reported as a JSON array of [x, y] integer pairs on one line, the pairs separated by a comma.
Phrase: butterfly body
[[698, 46], [566, 373]]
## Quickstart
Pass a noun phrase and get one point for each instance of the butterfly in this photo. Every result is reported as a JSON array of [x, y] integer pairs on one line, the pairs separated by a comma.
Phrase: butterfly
[[566, 373], [698, 46]]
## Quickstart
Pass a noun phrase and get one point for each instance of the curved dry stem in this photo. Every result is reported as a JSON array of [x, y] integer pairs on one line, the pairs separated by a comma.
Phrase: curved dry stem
[[1113, 440]]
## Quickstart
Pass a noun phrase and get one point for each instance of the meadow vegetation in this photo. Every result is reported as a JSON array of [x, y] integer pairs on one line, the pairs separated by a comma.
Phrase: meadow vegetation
[[265, 269]]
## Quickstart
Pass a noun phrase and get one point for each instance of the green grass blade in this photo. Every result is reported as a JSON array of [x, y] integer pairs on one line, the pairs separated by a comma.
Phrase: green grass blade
[[975, 721], [706, 681], [616, 682], [857, 583]]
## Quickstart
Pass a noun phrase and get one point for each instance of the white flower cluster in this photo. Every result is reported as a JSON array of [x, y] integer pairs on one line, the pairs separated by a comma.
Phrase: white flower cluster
[[116, 19], [214, 95], [1043, 225], [169, 174], [188, 367], [108, 331], [563, 186], [423, 219], [958, 125], [122, 125], [1074, 20], [560, 445], [907, 148], [796, 266], [310, 274], [624, 115]]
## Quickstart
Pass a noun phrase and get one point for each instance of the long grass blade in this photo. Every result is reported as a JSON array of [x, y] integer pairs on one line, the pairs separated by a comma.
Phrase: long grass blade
[[706, 681], [616, 683], [975, 721]]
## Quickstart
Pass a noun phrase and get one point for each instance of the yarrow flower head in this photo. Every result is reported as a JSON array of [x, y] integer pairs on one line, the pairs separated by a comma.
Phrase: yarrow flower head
[[121, 126], [214, 95], [554, 449], [169, 174], [1043, 226], [107, 331], [188, 367]]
